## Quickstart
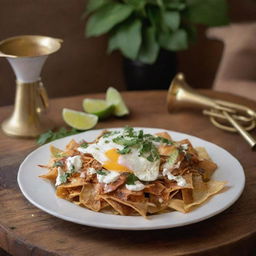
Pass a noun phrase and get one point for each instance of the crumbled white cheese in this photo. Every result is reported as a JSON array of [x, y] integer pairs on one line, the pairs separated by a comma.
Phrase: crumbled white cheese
[[74, 164], [91, 171], [58, 179]]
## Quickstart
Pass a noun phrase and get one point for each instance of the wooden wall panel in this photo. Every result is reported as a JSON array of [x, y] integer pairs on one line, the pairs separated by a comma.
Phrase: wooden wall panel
[[82, 66]]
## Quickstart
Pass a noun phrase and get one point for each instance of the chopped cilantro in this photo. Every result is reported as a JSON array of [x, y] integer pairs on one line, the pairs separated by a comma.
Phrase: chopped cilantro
[[131, 179], [58, 164], [84, 145], [143, 142], [63, 178], [101, 172], [107, 134], [124, 151], [129, 131], [106, 141], [150, 158]]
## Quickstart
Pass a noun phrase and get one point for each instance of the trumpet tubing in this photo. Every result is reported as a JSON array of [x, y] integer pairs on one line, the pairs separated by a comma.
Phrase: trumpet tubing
[[225, 115]]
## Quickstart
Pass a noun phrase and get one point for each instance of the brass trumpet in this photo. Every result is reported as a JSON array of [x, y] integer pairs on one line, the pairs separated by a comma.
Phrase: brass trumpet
[[225, 115]]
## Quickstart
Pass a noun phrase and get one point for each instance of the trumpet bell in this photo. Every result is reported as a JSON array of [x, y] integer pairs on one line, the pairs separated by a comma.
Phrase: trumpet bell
[[182, 97]]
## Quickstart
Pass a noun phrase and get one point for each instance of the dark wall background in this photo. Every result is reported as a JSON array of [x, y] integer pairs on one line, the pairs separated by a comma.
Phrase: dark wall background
[[82, 65]]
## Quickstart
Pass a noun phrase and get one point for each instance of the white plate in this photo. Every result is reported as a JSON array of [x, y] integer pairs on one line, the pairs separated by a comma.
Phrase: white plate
[[42, 194]]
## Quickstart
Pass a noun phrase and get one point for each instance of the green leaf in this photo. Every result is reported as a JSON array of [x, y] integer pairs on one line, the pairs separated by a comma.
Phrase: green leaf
[[174, 41], [51, 136], [171, 19], [125, 150], [191, 32], [44, 138], [160, 3], [127, 38], [58, 164], [131, 179], [63, 178], [150, 48], [154, 15], [137, 4], [208, 12], [106, 18], [101, 172], [93, 5], [176, 5], [84, 145]]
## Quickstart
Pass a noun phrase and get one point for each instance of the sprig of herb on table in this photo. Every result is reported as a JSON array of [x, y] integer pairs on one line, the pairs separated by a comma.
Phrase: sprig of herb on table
[[51, 135]]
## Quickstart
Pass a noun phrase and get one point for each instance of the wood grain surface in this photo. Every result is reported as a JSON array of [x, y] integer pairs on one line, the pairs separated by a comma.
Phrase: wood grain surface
[[26, 230]]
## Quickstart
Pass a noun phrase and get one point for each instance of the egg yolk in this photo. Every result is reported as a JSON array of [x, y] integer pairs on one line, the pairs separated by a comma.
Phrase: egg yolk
[[112, 164]]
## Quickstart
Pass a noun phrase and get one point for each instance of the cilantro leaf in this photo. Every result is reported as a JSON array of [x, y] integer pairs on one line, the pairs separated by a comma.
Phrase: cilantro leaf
[[63, 178], [131, 179], [45, 137], [129, 131], [101, 172], [58, 164], [51, 136], [84, 145], [124, 151]]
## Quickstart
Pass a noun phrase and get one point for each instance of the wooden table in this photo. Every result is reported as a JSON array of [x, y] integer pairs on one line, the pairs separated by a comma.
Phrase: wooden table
[[26, 230]]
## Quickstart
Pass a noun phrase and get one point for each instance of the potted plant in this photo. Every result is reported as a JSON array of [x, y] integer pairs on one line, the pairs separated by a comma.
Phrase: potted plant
[[149, 32]]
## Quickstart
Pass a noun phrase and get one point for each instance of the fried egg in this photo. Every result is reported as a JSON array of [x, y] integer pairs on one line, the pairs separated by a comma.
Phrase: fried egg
[[105, 151]]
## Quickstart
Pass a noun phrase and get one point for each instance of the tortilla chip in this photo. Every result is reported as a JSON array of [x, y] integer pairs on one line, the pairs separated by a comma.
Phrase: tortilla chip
[[187, 195], [202, 153], [88, 197], [55, 151], [140, 207], [72, 145], [119, 208], [177, 204], [165, 135], [209, 167], [160, 203], [51, 175], [166, 150], [201, 192], [156, 188]]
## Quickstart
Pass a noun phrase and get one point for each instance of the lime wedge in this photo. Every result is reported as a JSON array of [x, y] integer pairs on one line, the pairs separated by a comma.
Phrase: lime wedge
[[79, 120], [115, 98], [97, 107]]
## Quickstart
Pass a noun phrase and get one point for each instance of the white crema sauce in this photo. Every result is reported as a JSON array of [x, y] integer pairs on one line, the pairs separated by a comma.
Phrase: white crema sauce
[[137, 186], [110, 176]]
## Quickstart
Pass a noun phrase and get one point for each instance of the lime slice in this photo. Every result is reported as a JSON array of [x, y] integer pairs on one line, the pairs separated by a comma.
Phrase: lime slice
[[115, 98], [97, 107], [79, 120]]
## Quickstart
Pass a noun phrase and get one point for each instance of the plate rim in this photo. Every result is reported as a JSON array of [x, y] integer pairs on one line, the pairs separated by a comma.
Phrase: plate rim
[[127, 227]]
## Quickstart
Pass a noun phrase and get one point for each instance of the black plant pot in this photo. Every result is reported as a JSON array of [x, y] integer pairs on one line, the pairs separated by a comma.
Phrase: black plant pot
[[157, 76]]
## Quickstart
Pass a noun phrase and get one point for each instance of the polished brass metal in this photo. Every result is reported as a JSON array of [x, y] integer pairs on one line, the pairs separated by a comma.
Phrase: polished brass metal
[[28, 118], [29, 46], [225, 115], [31, 102]]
